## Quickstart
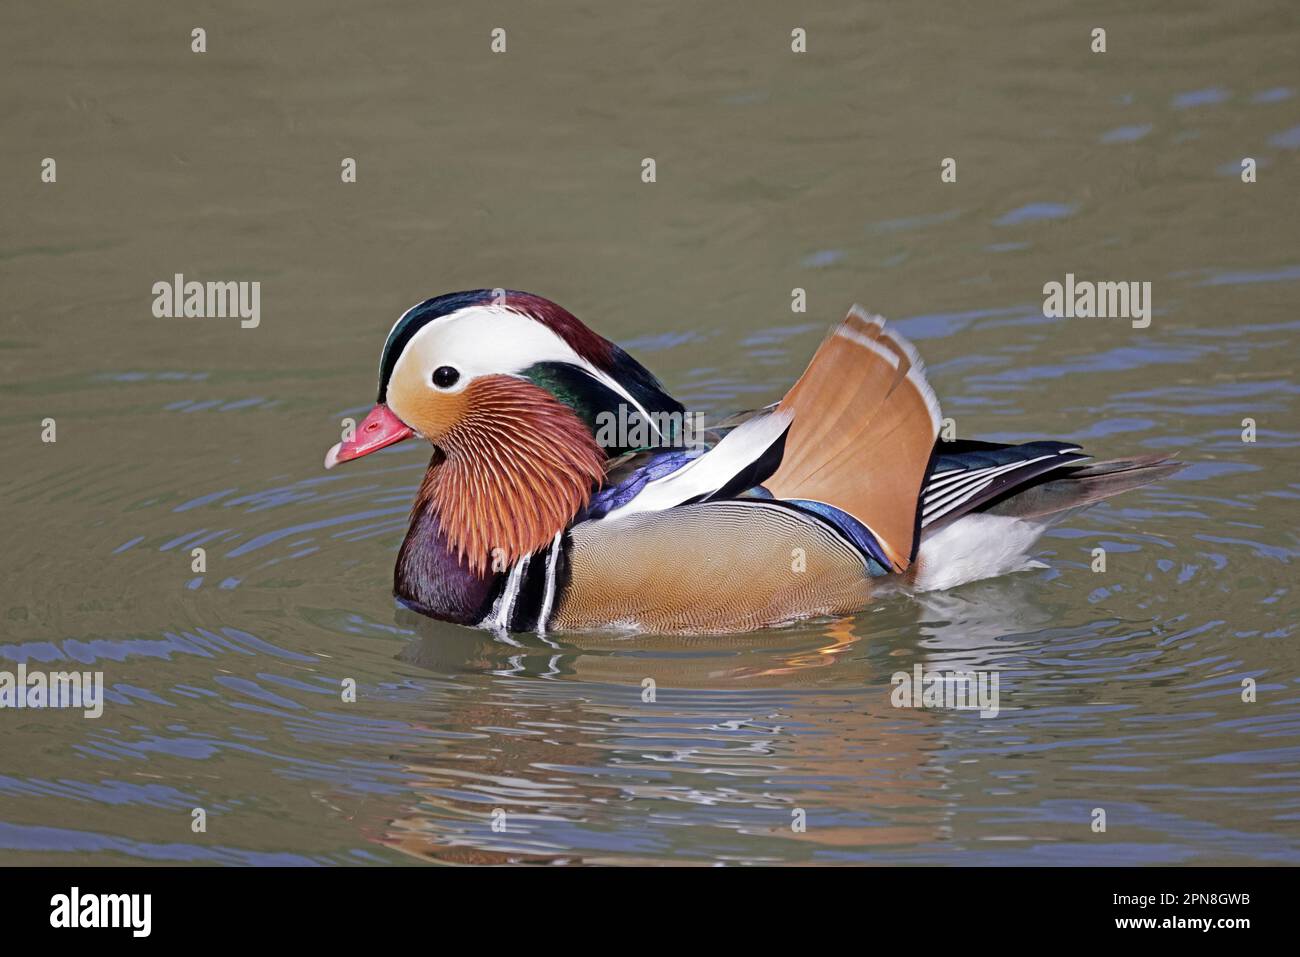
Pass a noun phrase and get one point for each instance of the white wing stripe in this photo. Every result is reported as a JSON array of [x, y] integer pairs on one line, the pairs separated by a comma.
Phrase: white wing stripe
[[949, 505], [710, 471], [947, 484], [952, 495], [933, 497]]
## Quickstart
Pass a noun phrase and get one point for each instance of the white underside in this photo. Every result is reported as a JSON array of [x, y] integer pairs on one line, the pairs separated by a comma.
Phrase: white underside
[[974, 547]]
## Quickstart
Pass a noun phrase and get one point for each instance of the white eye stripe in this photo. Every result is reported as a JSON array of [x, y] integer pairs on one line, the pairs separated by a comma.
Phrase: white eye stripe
[[488, 339], [482, 340]]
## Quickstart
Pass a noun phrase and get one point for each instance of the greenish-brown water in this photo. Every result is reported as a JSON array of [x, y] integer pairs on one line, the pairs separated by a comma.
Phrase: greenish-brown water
[[1120, 689]]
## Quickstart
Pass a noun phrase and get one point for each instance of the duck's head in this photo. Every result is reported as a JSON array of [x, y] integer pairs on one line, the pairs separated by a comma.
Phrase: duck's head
[[510, 388]]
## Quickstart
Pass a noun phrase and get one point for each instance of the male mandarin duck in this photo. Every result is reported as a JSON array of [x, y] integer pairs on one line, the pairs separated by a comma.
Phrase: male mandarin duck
[[533, 517]]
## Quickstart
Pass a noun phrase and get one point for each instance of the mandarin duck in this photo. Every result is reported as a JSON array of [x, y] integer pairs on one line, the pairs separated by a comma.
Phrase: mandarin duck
[[535, 514]]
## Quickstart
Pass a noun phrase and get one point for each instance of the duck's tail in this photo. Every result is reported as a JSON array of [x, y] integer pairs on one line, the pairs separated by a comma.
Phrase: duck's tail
[[864, 424], [997, 538], [1078, 487]]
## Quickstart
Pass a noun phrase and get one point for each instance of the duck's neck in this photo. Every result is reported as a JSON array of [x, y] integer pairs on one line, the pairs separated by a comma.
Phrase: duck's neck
[[432, 580], [501, 486]]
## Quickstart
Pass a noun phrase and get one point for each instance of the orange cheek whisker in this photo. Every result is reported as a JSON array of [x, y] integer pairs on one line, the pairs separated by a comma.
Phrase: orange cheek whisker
[[517, 467]]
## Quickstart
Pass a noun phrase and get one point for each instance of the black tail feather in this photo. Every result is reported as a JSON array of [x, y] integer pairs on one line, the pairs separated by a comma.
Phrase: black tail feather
[[1079, 486]]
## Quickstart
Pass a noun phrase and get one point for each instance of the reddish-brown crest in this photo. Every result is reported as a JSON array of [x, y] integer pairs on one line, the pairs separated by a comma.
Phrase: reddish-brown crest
[[591, 346]]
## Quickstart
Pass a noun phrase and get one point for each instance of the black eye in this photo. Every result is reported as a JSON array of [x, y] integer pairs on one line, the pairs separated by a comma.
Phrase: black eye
[[444, 377]]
